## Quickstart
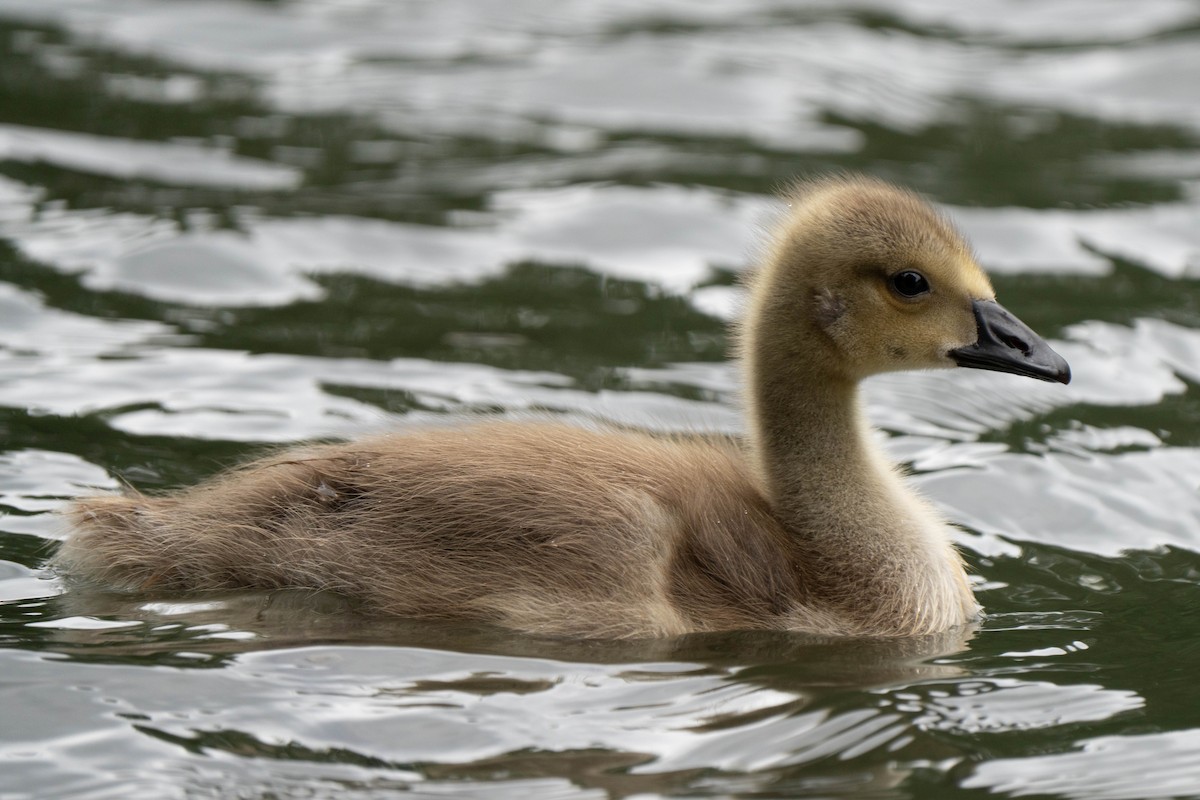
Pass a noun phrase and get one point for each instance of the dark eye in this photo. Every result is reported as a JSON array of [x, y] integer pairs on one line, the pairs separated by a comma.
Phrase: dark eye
[[909, 283]]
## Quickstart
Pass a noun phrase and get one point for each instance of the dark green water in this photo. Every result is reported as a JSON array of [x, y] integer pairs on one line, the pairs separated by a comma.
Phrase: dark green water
[[230, 225]]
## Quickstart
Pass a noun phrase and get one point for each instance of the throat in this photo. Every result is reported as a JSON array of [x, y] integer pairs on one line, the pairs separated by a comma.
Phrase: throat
[[868, 547], [807, 437]]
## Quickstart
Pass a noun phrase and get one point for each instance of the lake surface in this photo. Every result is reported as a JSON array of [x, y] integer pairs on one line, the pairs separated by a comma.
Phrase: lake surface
[[229, 225]]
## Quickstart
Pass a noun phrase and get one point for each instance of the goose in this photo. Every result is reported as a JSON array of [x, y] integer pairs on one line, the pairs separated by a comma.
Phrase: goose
[[563, 530]]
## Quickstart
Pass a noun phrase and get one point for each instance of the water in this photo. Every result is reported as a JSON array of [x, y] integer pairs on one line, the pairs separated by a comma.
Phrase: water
[[228, 225]]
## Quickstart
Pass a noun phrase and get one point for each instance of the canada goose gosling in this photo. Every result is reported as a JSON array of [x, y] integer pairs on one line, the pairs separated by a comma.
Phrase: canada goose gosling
[[555, 529]]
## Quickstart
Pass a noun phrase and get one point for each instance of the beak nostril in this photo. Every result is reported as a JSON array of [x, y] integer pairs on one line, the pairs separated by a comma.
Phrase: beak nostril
[[1016, 343]]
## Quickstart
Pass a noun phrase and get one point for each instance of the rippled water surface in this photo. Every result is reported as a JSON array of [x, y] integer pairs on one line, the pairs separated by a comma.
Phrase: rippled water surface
[[226, 225]]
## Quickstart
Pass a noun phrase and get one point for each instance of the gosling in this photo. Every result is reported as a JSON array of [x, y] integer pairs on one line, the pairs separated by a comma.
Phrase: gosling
[[559, 530]]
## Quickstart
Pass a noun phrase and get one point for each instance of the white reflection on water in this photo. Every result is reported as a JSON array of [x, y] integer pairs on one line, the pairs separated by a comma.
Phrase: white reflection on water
[[1098, 505], [1141, 86], [1086, 21], [211, 269], [1135, 767], [668, 236], [171, 163], [1163, 238], [461, 65], [1005, 704], [37, 480], [29, 328]]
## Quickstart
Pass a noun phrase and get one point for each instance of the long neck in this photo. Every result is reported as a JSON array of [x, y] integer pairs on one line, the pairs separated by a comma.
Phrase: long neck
[[868, 546]]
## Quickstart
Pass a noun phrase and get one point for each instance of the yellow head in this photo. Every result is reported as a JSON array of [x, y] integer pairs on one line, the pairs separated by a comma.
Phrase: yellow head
[[864, 278]]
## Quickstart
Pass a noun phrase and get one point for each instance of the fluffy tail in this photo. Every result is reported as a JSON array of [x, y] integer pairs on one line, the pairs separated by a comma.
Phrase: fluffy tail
[[115, 541], [268, 525]]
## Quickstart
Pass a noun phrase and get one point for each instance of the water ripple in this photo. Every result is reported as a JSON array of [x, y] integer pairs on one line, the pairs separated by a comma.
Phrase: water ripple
[[1134, 767]]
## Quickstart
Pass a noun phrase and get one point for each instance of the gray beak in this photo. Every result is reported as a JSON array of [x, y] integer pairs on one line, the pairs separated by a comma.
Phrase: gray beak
[[1006, 344]]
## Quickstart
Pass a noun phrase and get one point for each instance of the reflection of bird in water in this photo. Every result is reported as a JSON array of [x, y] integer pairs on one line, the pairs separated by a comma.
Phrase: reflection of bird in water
[[561, 530]]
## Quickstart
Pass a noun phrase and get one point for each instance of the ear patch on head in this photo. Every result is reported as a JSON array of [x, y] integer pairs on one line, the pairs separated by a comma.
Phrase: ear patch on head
[[828, 307]]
